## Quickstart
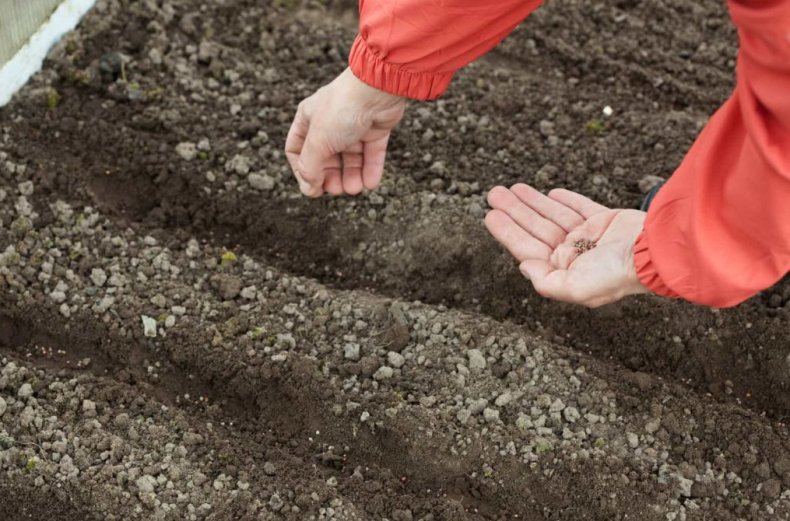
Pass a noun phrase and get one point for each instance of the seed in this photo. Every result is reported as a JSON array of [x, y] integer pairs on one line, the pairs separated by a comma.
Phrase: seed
[[583, 245]]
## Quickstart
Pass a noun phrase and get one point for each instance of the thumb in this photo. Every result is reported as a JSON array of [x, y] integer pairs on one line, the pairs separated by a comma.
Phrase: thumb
[[554, 286], [315, 156]]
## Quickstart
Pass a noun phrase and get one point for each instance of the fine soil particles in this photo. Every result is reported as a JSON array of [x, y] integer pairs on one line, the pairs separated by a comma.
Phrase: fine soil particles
[[183, 336]]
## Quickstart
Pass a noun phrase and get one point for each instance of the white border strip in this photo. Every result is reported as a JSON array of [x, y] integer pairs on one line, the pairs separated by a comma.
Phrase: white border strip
[[28, 60]]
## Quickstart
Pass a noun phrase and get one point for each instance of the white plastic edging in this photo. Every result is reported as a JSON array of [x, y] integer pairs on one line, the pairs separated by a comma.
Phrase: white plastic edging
[[28, 60]]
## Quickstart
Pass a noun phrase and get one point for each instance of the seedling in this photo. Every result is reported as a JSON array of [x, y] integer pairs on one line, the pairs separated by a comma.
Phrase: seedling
[[594, 126], [53, 98], [31, 463], [228, 257]]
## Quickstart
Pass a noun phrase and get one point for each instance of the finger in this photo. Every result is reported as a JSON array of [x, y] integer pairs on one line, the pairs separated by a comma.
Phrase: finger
[[560, 214], [518, 241], [352, 170], [374, 153], [294, 143], [333, 182], [305, 187], [312, 162], [580, 204], [538, 226], [297, 133]]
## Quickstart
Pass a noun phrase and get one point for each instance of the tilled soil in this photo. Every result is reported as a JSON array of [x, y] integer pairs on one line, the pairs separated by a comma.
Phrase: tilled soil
[[182, 336]]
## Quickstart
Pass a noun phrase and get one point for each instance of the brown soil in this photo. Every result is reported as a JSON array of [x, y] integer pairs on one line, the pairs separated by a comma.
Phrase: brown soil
[[389, 265]]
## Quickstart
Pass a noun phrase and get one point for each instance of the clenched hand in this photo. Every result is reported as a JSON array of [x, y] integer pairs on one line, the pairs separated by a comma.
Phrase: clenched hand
[[338, 139]]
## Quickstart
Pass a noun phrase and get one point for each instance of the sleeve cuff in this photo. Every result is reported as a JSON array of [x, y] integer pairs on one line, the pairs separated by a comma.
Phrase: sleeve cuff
[[646, 271], [370, 67]]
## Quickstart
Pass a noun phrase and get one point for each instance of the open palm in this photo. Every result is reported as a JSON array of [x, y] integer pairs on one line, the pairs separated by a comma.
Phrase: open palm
[[571, 248]]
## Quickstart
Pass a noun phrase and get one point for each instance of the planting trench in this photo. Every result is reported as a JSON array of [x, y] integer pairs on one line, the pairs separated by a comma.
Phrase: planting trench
[[554, 425]]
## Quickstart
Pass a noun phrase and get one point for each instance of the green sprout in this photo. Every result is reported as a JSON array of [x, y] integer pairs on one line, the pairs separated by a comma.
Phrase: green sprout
[[53, 98], [228, 257], [256, 332], [594, 126]]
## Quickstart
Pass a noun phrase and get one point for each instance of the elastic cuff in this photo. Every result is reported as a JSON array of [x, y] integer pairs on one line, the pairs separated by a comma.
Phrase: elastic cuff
[[369, 67], [646, 270]]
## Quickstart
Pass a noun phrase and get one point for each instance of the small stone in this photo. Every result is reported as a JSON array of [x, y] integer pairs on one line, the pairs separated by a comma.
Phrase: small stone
[[269, 469], [402, 515], [772, 488], [557, 406], [159, 300], [463, 416], [351, 351], [438, 168], [261, 182], [523, 422], [503, 399], [491, 415], [571, 414], [477, 406], [146, 483], [187, 151], [477, 361], [633, 440], [685, 486], [121, 421], [368, 365], [239, 164], [25, 391], [395, 359], [26, 188], [546, 128], [3, 407], [192, 438], [653, 425], [149, 326], [58, 296], [249, 293], [98, 277], [383, 373], [229, 286], [276, 503]]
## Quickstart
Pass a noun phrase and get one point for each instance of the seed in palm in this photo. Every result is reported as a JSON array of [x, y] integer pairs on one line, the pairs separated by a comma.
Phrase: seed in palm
[[583, 245]]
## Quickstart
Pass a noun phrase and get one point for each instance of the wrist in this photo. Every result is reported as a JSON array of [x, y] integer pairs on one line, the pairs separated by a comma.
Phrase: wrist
[[633, 285], [369, 96]]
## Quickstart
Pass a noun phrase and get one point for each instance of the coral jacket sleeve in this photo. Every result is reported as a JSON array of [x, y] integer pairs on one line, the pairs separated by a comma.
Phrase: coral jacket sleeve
[[719, 230], [412, 48]]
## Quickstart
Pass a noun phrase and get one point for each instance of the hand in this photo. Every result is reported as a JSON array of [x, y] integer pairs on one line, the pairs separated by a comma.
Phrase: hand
[[571, 248], [339, 136]]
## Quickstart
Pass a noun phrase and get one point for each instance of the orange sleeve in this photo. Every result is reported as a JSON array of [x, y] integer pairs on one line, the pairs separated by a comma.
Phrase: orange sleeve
[[719, 230], [412, 48]]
